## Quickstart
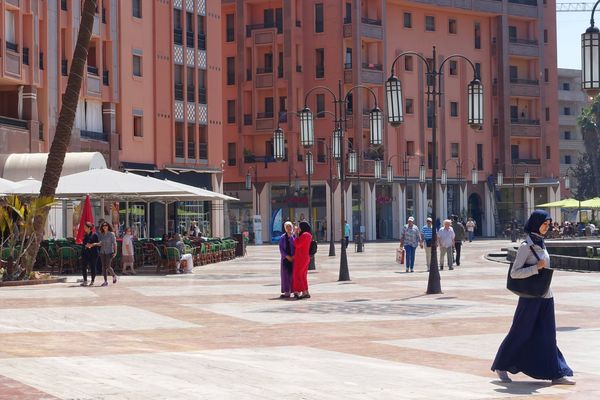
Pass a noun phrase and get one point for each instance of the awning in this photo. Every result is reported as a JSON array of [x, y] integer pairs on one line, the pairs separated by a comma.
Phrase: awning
[[138, 167], [22, 166], [191, 193]]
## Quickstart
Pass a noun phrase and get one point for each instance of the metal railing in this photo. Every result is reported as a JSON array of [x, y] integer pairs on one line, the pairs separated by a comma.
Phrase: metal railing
[[370, 21], [179, 91], [347, 20], [320, 71], [347, 65], [525, 2], [202, 95], [101, 136], [92, 70], [523, 41], [264, 115], [524, 121], [26, 55], [178, 36], [16, 123], [202, 41], [189, 39], [203, 151], [12, 46], [191, 93], [264, 70], [525, 81]]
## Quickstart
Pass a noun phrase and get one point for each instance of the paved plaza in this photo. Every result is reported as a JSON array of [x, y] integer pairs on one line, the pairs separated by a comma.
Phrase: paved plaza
[[222, 333]]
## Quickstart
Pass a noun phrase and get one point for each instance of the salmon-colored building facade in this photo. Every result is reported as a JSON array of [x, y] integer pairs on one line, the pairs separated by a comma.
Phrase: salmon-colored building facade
[[277, 51]]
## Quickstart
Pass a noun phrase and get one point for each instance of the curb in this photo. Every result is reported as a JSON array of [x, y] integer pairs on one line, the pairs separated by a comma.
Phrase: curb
[[33, 282]]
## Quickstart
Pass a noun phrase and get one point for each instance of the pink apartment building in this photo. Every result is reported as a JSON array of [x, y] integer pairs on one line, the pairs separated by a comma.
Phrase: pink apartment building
[[276, 51]]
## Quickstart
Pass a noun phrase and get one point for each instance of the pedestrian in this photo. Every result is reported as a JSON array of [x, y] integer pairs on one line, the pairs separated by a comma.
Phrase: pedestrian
[[301, 260], [530, 346], [427, 239], [183, 256], [194, 230], [459, 237], [410, 238], [108, 251], [128, 252], [89, 255], [346, 233], [471, 225], [286, 249], [446, 244]]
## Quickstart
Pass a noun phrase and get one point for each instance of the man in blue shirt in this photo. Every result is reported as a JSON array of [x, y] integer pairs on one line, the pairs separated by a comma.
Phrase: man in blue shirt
[[346, 232], [427, 236]]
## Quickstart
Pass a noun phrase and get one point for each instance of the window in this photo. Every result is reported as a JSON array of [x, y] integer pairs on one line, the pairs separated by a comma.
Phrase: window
[[231, 154], [407, 20], [547, 113], [203, 143], [321, 151], [231, 70], [514, 152], [408, 63], [137, 126], [566, 110], [566, 86], [513, 73], [230, 30], [279, 19], [567, 135], [454, 150], [191, 147], [9, 30], [136, 8], [548, 152], [320, 106], [454, 109], [546, 75], [567, 159], [319, 17], [479, 157], [320, 63], [545, 35], [430, 23], [231, 111], [410, 148], [179, 143], [512, 33], [452, 26], [348, 18], [453, 67], [137, 66], [269, 17], [177, 19], [477, 35], [408, 107]]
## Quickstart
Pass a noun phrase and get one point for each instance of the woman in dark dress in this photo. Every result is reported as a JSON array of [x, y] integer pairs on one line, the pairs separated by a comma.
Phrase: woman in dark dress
[[89, 255], [530, 346], [286, 248]]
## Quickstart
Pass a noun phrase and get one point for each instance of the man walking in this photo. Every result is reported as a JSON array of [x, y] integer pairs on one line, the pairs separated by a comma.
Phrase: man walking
[[446, 243], [459, 236], [427, 238], [471, 229], [410, 238], [346, 233]]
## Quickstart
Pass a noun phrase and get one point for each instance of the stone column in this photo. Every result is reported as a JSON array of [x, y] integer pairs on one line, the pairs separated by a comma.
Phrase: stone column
[[109, 128]]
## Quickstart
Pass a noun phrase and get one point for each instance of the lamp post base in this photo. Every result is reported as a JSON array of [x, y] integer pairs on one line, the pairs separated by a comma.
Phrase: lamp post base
[[331, 249], [311, 264], [359, 244], [433, 283], [344, 273]]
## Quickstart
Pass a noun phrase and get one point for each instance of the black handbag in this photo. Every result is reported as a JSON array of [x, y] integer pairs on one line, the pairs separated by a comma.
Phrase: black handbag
[[533, 286]]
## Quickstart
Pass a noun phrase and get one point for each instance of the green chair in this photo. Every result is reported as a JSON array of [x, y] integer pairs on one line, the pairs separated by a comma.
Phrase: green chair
[[67, 259], [173, 258]]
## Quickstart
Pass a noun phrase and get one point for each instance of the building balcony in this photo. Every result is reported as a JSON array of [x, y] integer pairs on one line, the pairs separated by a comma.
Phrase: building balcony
[[524, 87], [92, 70], [16, 3], [525, 121], [13, 122], [575, 95], [348, 76], [567, 120], [347, 30], [523, 8], [371, 28], [572, 144], [92, 135], [521, 165], [265, 121], [525, 130], [14, 47], [253, 27], [264, 80], [372, 73], [93, 84], [523, 47]]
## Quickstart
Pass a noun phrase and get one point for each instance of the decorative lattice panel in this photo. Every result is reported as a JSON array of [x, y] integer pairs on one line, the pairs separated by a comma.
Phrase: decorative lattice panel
[[202, 114], [201, 6], [191, 112], [189, 57], [177, 4], [202, 59], [189, 5], [179, 111], [178, 54]]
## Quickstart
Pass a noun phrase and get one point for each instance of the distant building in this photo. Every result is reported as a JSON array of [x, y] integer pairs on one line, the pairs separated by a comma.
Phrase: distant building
[[571, 101]]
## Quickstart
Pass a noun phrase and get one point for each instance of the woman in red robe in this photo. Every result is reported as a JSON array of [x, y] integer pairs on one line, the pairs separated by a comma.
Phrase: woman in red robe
[[301, 261]]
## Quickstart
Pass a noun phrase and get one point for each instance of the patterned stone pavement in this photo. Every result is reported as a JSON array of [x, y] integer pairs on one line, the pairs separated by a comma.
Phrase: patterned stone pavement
[[223, 333]]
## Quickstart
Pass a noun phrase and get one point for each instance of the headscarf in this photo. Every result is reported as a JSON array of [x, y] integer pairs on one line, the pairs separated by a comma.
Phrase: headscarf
[[304, 227], [533, 224]]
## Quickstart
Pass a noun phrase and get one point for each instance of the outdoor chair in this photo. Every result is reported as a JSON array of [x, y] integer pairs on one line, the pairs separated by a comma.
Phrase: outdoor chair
[[173, 258], [67, 259], [42, 261], [138, 252]]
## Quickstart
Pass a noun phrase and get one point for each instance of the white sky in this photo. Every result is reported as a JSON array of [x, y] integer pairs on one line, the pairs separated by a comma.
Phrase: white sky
[[570, 26]]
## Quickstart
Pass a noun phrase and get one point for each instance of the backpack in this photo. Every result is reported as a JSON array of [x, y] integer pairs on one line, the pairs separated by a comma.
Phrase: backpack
[[312, 250]]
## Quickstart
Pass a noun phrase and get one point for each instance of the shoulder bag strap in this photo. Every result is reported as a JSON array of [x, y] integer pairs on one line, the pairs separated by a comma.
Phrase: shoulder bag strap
[[534, 253]]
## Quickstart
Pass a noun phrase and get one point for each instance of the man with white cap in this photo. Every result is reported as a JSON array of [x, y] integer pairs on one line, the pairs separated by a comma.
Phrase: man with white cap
[[427, 237], [410, 238]]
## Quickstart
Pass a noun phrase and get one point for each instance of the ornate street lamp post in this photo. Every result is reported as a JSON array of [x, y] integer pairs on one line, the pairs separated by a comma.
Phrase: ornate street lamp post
[[393, 90]]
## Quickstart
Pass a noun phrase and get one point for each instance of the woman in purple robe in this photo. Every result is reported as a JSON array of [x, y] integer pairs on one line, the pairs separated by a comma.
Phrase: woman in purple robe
[[286, 248]]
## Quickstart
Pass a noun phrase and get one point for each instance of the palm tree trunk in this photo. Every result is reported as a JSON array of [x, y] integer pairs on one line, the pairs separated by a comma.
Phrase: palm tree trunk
[[62, 137]]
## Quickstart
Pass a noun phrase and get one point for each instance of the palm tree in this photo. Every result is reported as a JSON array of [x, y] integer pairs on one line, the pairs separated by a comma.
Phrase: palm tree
[[62, 137], [588, 121]]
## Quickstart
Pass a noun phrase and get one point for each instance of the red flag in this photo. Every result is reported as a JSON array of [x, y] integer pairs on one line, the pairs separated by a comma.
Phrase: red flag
[[86, 216]]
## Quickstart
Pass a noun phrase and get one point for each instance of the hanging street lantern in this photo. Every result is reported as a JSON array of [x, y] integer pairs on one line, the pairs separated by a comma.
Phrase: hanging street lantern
[[475, 104], [378, 165], [500, 178], [474, 176], [336, 148], [390, 173], [307, 133], [278, 144], [248, 181], [526, 178], [393, 95], [422, 173], [590, 60], [376, 125], [444, 179], [352, 162]]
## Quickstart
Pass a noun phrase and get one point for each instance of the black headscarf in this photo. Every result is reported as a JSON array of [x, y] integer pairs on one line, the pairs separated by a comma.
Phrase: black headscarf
[[305, 227], [533, 224]]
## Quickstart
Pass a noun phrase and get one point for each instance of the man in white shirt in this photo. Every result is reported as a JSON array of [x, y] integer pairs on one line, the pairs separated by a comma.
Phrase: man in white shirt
[[445, 238]]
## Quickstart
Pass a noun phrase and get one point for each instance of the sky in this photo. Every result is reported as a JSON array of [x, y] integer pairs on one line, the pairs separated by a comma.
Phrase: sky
[[570, 26]]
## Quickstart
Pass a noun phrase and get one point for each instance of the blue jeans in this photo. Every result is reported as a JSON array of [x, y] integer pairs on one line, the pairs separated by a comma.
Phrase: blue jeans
[[410, 256], [471, 235]]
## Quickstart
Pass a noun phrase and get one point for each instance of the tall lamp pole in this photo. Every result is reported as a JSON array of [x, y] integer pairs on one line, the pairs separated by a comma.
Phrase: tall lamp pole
[[307, 128], [396, 117]]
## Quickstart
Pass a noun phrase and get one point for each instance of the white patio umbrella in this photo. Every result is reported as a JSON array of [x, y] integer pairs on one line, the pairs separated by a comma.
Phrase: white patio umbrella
[[6, 186], [193, 192]]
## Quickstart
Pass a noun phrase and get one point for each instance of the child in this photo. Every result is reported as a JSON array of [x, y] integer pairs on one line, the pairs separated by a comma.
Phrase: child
[[128, 252]]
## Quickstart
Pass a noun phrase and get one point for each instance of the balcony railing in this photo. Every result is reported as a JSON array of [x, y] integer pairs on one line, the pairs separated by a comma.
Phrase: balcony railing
[[524, 121], [525, 81], [179, 147], [189, 39], [179, 91], [347, 65], [93, 135], [231, 161], [202, 41], [320, 72], [191, 93], [530, 161], [203, 151], [202, 96], [523, 41], [12, 46], [105, 78], [525, 2], [347, 20], [371, 21], [375, 67], [231, 119], [264, 115], [15, 123], [92, 70], [264, 70], [247, 119], [64, 67], [178, 36], [26, 55]]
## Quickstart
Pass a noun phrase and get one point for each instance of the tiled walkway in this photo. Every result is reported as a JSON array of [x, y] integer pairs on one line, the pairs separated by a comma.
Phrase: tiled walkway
[[223, 333]]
